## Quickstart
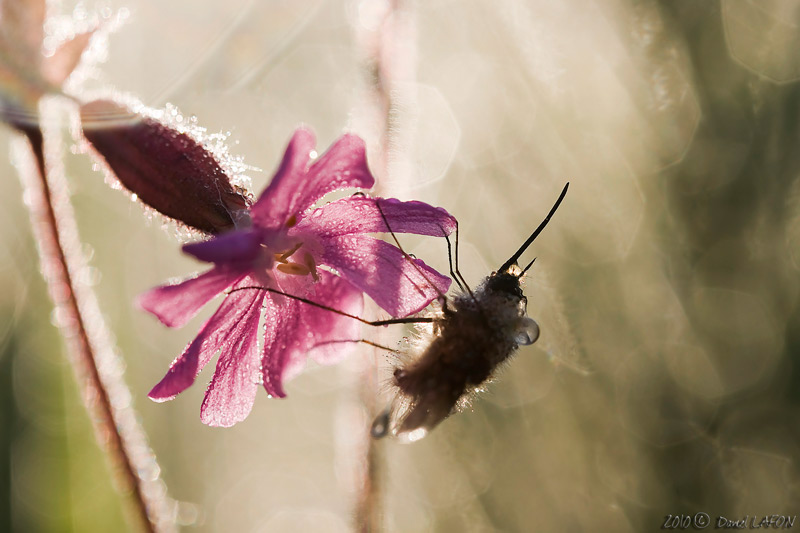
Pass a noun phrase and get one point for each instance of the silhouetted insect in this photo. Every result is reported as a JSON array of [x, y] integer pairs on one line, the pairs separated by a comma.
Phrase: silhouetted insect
[[474, 332], [468, 337]]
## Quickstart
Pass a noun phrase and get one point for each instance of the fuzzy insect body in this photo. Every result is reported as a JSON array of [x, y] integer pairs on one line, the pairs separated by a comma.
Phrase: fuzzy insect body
[[475, 332]]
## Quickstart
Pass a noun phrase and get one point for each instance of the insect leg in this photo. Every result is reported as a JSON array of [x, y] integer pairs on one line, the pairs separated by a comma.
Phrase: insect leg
[[459, 279], [364, 341], [459, 271], [442, 296], [405, 320], [450, 263]]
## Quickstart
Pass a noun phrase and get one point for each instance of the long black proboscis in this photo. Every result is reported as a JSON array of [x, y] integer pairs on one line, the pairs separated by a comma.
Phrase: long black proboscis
[[513, 259]]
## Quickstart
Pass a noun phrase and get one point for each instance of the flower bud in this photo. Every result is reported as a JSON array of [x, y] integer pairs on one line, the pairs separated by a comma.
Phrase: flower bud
[[167, 169]]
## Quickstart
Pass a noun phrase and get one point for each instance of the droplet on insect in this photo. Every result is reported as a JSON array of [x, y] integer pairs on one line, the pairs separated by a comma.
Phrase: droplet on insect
[[415, 435], [475, 332], [527, 332]]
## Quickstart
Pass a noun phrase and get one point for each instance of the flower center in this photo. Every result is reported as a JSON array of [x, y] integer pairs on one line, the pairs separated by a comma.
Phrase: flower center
[[304, 268]]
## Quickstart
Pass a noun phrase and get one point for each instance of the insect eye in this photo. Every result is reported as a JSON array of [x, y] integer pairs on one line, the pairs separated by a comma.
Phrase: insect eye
[[527, 331]]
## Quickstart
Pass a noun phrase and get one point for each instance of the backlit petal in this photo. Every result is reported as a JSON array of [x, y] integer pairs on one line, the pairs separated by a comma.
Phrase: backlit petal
[[326, 336], [276, 203], [297, 330], [57, 67], [233, 388], [279, 336], [295, 188], [358, 214], [380, 270], [174, 305], [232, 321], [230, 247]]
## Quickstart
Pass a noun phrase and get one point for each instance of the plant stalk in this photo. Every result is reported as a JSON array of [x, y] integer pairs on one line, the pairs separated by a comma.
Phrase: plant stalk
[[96, 366]]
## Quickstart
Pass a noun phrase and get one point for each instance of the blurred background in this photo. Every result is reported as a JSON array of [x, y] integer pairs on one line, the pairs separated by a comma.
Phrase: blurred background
[[666, 287]]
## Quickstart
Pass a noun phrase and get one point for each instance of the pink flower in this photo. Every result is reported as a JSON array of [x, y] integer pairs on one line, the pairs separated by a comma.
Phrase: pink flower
[[287, 248]]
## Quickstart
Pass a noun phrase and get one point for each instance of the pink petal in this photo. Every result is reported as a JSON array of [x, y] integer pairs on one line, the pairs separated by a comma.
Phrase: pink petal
[[325, 326], [275, 203], [380, 270], [279, 338], [231, 322], [296, 330], [232, 390], [175, 305], [230, 247], [358, 214], [57, 67], [294, 189], [324, 335], [343, 166]]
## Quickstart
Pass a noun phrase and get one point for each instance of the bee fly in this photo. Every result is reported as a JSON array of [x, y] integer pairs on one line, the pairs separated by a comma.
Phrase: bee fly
[[467, 339], [472, 334]]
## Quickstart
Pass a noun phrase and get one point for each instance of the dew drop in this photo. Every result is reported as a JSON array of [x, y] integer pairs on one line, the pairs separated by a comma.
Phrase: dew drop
[[527, 331], [79, 13], [380, 426], [414, 436]]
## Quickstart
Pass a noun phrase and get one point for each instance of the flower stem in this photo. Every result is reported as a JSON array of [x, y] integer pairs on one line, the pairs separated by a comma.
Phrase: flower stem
[[368, 514], [389, 57], [97, 368]]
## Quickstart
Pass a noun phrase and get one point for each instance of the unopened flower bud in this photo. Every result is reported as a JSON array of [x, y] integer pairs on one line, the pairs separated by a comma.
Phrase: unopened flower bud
[[166, 169]]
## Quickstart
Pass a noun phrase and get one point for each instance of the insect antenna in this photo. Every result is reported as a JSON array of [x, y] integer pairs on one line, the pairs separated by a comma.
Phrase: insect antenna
[[513, 259], [526, 268]]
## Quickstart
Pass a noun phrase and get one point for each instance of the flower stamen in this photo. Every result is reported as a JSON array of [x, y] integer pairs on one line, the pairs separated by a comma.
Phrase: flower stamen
[[295, 269], [283, 257], [312, 265]]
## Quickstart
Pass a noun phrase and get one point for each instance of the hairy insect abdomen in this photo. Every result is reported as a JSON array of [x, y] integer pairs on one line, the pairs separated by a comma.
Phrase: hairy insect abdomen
[[470, 345]]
